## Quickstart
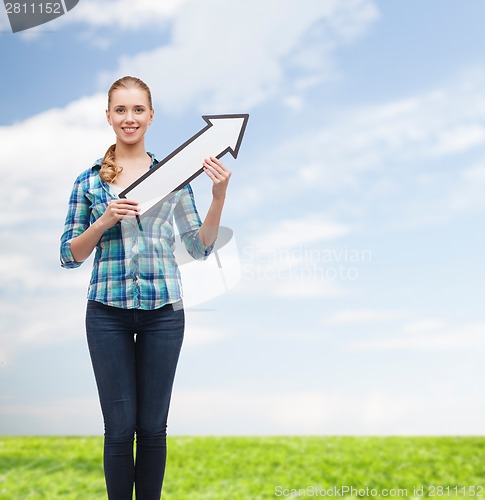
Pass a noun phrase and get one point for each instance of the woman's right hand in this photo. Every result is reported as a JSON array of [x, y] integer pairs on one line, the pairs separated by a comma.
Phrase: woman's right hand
[[82, 245], [117, 210]]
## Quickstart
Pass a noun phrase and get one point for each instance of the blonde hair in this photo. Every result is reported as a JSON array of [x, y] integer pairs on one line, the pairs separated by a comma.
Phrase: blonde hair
[[109, 170]]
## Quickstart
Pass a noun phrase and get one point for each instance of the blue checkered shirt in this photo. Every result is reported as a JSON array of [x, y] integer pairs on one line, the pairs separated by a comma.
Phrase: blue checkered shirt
[[132, 268]]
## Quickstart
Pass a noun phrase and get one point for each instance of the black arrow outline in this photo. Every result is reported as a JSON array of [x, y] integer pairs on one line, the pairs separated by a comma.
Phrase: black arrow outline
[[234, 152]]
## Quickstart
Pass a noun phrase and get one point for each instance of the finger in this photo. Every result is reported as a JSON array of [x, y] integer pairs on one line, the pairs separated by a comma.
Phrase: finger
[[116, 207], [126, 201], [209, 172], [210, 162], [130, 204], [125, 212], [210, 167], [215, 175], [220, 167], [215, 163], [121, 211], [218, 171], [128, 207], [129, 216]]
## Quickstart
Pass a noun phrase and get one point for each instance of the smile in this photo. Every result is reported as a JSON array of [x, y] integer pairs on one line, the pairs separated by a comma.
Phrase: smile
[[129, 130]]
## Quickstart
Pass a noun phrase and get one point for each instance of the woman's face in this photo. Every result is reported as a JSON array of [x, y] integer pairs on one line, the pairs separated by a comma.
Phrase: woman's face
[[129, 114]]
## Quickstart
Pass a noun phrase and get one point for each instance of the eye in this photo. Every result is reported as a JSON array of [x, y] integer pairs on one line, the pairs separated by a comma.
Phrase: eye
[[120, 110], [139, 110]]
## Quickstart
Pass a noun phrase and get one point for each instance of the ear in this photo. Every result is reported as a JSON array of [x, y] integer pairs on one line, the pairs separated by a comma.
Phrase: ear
[[152, 112], [108, 116]]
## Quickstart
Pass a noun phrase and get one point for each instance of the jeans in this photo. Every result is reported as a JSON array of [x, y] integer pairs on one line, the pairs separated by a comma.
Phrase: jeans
[[134, 354]]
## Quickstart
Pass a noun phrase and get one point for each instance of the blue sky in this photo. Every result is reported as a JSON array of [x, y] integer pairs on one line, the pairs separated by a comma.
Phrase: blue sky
[[356, 203]]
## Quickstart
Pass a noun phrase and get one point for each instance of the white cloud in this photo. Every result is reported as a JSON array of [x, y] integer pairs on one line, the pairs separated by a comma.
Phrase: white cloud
[[417, 155], [467, 192], [238, 55], [63, 416], [298, 232], [475, 173], [196, 335], [295, 259], [122, 14], [427, 335], [375, 411], [271, 277], [402, 330], [423, 326], [357, 316], [404, 133], [4, 23], [28, 321], [294, 102], [27, 273]]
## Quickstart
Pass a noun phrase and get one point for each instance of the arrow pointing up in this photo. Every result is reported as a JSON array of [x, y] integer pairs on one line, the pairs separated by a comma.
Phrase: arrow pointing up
[[222, 134]]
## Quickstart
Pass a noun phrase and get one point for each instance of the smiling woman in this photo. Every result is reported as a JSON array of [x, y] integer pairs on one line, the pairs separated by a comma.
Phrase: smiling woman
[[135, 318]]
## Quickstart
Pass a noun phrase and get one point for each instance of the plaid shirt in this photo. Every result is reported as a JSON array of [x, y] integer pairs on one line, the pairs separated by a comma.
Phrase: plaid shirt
[[133, 267]]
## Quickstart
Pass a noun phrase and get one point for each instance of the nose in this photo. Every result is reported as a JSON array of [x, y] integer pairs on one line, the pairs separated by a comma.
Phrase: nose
[[129, 117]]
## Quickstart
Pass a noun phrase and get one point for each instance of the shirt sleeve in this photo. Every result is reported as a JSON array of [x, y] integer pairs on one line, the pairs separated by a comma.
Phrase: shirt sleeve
[[188, 223], [77, 221]]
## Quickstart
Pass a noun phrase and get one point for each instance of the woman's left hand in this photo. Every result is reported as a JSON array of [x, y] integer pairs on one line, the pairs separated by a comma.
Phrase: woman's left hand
[[219, 174]]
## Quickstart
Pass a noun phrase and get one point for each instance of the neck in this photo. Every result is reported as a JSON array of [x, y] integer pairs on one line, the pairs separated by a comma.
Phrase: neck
[[130, 151]]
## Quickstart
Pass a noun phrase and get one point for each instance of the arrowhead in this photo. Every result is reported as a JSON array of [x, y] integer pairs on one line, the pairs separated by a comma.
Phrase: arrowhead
[[231, 127]]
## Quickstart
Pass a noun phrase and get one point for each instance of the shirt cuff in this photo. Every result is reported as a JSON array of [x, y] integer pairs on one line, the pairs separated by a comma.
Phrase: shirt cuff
[[67, 259], [196, 249]]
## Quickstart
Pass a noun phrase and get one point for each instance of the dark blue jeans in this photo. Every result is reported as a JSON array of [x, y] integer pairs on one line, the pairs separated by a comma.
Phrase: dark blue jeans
[[134, 354]]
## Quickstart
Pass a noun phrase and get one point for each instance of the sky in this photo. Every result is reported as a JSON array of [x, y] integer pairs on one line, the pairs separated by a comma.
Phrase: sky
[[356, 204]]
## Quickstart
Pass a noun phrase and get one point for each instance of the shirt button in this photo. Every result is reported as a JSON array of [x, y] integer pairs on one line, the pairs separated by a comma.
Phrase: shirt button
[[135, 277]]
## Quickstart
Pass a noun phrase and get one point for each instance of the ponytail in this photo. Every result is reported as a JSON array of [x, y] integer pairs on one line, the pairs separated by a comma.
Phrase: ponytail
[[109, 171]]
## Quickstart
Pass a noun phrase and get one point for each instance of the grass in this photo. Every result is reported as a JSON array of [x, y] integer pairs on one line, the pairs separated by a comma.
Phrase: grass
[[229, 468]]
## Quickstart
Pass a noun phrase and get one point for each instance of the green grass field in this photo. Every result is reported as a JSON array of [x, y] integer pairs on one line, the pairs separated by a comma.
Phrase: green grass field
[[70, 468]]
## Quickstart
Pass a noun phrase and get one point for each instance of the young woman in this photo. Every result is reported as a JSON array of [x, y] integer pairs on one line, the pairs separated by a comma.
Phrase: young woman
[[134, 317]]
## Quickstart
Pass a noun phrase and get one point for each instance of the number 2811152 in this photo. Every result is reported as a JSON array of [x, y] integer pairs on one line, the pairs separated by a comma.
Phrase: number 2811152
[[34, 8]]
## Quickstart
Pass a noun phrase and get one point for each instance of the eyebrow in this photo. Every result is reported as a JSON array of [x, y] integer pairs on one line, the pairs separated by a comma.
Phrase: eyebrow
[[124, 106]]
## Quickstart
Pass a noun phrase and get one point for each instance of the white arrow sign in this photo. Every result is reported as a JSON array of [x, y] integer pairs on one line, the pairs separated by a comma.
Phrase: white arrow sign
[[222, 134]]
